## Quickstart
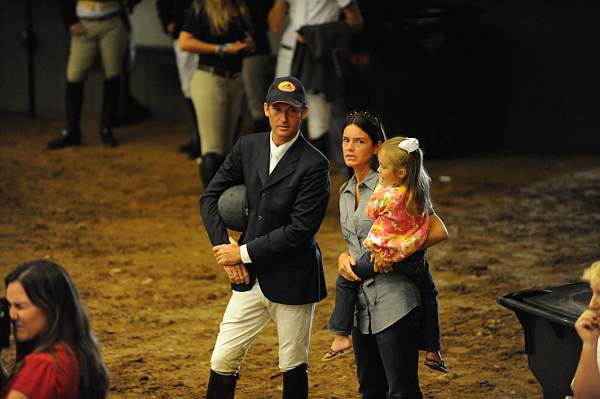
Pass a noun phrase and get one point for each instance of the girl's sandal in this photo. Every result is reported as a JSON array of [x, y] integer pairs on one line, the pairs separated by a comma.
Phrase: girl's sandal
[[437, 365], [332, 355]]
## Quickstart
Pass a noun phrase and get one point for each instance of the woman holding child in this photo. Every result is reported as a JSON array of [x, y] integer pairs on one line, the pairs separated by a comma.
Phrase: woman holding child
[[386, 331]]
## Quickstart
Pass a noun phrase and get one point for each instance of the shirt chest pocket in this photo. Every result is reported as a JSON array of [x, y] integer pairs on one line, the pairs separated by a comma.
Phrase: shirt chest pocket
[[363, 225]]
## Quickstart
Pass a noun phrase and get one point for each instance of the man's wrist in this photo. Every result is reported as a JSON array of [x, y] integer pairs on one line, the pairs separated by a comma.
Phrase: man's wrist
[[244, 255]]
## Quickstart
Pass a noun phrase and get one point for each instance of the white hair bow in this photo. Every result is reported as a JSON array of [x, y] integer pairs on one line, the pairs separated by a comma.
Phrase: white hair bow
[[409, 144]]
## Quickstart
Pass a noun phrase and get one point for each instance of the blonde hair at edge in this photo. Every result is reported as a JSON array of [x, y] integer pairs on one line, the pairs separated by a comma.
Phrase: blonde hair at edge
[[220, 13], [417, 180], [591, 272]]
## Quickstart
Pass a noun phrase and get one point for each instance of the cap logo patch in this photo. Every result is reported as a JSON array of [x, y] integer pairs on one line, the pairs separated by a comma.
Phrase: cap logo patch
[[286, 86]]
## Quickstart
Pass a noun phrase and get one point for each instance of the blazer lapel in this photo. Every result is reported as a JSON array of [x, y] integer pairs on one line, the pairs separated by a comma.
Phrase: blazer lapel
[[263, 157], [287, 164]]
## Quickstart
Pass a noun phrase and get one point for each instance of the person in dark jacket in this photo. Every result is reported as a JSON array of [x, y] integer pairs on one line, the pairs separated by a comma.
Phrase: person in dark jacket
[[276, 269]]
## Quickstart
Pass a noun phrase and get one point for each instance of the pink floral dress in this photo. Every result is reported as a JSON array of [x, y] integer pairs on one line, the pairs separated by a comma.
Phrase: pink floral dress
[[395, 233]]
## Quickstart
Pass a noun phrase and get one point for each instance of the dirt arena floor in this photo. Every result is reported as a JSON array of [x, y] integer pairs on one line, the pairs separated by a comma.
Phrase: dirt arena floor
[[125, 224]]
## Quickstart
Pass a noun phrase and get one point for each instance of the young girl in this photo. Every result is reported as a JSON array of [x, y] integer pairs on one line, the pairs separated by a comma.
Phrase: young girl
[[400, 207]]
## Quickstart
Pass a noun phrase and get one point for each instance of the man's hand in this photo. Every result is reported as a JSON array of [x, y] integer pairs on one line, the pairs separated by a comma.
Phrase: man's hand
[[587, 326], [345, 264], [77, 29], [228, 254], [237, 273]]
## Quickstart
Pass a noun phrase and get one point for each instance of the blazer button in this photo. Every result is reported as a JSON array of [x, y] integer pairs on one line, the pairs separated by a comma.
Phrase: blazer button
[[260, 218]]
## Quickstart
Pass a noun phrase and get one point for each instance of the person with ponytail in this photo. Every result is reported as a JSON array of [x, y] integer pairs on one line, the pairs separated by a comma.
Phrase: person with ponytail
[[220, 32], [57, 354]]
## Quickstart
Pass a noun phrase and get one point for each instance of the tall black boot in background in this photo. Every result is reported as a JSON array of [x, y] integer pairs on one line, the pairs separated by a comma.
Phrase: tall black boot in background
[[110, 104], [193, 148], [209, 166], [130, 111], [295, 383], [221, 386], [71, 135]]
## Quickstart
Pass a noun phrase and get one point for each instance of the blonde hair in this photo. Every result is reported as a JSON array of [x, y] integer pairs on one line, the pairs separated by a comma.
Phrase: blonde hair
[[417, 180], [220, 13], [591, 272]]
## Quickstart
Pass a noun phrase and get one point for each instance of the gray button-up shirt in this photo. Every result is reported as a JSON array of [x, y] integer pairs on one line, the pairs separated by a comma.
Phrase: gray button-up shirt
[[385, 298]]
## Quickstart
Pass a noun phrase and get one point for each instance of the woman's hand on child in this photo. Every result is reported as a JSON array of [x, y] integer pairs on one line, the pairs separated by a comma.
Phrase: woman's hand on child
[[345, 264]]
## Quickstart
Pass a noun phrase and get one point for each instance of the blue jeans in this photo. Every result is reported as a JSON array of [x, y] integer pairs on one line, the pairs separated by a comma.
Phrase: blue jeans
[[387, 362], [416, 268]]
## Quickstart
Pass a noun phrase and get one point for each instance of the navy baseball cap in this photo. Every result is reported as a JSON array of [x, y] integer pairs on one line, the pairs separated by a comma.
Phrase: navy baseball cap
[[287, 89]]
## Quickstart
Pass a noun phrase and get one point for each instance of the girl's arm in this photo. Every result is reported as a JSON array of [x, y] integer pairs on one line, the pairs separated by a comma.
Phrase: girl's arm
[[187, 42], [437, 232]]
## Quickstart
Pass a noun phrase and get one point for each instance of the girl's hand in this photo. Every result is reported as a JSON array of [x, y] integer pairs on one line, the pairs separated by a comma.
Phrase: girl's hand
[[235, 47], [379, 265], [587, 326], [385, 267], [345, 265], [251, 45]]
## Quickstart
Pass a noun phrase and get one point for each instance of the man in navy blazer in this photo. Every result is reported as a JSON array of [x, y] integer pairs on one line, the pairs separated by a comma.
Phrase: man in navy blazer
[[276, 268]]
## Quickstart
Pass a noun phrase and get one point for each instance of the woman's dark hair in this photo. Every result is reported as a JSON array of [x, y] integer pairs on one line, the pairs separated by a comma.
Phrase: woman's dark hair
[[369, 122], [50, 288]]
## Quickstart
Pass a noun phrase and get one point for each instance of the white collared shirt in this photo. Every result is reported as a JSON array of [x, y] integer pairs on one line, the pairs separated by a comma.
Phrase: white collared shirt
[[276, 153]]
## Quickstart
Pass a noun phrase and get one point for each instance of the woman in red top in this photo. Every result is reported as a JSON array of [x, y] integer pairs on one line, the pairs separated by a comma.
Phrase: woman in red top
[[57, 353]]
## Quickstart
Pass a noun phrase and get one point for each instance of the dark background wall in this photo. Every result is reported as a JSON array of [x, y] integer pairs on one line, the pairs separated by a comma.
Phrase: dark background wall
[[520, 74]]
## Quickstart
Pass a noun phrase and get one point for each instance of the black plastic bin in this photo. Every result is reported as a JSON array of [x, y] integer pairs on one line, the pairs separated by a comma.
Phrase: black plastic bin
[[551, 342]]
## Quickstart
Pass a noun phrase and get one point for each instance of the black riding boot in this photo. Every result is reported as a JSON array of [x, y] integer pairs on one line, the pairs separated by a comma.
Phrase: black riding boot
[[295, 383], [193, 148], [110, 105], [130, 110], [221, 386], [209, 166], [71, 135]]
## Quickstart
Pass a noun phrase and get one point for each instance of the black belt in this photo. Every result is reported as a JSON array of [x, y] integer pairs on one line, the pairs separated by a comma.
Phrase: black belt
[[102, 18], [225, 73]]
